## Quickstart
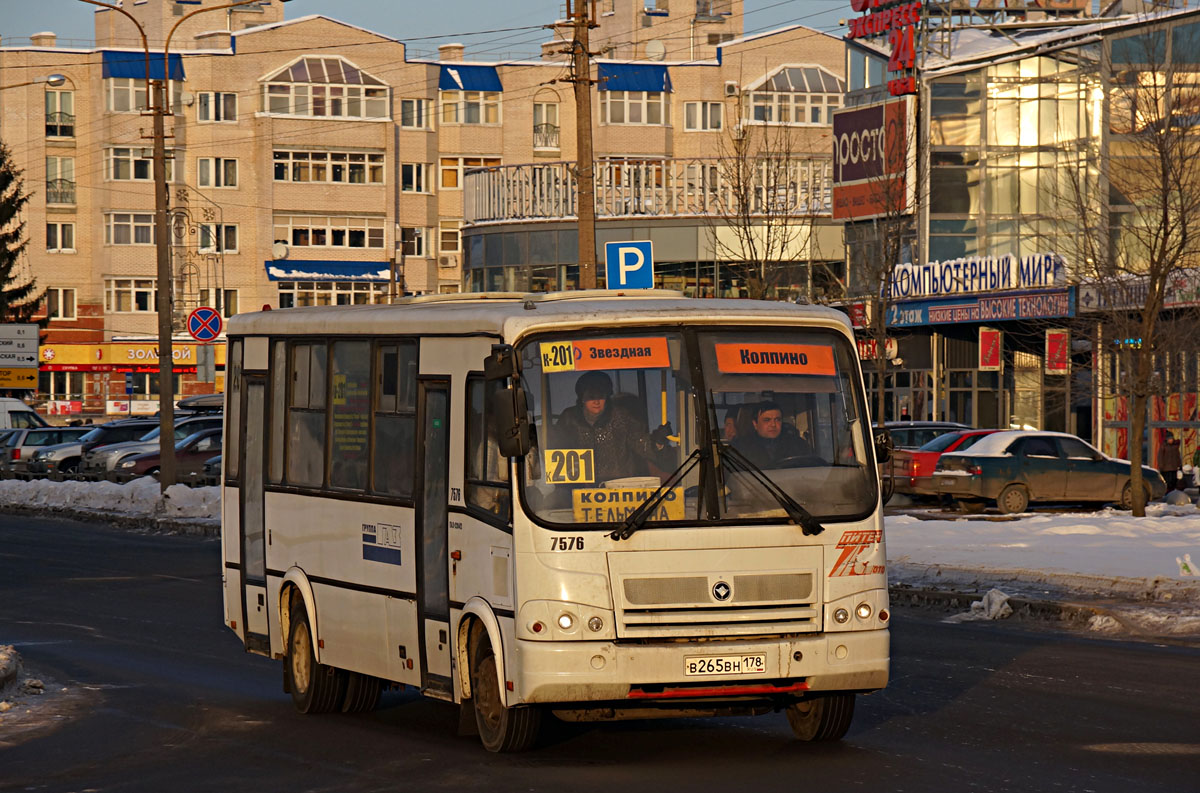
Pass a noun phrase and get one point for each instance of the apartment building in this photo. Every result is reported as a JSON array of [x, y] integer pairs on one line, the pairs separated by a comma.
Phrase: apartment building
[[310, 159]]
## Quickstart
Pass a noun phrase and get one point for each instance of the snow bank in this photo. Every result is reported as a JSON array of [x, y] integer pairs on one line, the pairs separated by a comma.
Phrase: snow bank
[[140, 498]]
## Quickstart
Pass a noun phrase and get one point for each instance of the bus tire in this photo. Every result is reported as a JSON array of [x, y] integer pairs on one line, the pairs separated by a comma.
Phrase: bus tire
[[362, 693], [821, 718], [501, 728], [315, 688]]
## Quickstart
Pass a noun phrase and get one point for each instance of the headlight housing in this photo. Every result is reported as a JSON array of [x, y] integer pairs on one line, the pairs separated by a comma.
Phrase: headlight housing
[[127, 464]]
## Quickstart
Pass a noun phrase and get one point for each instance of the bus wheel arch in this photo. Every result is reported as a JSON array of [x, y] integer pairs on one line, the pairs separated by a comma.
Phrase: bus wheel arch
[[297, 591], [478, 618]]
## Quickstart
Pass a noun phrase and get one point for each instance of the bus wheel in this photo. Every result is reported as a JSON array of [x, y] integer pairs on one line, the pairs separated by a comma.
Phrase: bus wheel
[[316, 688], [362, 693], [823, 718], [501, 728]]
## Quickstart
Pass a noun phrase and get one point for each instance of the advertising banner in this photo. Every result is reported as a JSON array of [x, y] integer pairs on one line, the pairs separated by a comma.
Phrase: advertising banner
[[990, 345], [874, 160], [1058, 351], [997, 307]]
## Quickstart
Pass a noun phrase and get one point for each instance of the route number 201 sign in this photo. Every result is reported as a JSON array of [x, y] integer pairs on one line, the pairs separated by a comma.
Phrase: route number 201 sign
[[570, 466]]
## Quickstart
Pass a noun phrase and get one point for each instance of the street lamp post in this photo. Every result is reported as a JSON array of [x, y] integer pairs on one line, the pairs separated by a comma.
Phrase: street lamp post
[[52, 80], [156, 100]]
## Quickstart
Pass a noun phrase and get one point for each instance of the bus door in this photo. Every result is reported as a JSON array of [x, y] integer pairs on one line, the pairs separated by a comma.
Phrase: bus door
[[250, 490], [433, 590]]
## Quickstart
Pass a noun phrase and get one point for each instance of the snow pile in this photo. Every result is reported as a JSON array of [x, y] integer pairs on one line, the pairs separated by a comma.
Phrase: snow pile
[[140, 498], [1108, 542], [993, 606]]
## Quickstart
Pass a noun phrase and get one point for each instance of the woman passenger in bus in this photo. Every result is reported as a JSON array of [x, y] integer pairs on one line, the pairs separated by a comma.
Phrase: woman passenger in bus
[[618, 439]]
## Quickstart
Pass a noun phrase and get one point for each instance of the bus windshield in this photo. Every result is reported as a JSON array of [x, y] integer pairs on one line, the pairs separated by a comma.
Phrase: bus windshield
[[616, 413]]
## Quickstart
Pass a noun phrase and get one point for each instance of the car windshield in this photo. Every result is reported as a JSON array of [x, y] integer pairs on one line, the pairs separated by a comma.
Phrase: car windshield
[[615, 414], [151, 435], [970, 441], [92, 435], [943, 442]]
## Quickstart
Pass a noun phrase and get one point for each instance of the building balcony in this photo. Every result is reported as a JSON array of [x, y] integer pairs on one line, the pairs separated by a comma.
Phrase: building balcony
[[60, 125], [545, 136], [800, 187], [60, 191]]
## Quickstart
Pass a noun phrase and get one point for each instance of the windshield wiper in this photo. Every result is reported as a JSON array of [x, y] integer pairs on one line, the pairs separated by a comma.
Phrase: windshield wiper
[[798, 514], [637, 519]]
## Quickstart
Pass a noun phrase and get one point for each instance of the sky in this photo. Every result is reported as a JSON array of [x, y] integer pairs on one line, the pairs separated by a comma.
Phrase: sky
[[409, 21]]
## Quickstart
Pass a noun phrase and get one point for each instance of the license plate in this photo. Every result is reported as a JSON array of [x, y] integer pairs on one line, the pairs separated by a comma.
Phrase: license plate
[[725, 665], [946, 481]]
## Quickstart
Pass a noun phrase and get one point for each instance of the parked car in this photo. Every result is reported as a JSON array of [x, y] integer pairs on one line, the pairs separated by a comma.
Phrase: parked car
[[19, 445], [15, 414], [190, 456], [1015, 468], [64, 458], [906, 436], [914, 472], [101, 462], [210, 474]]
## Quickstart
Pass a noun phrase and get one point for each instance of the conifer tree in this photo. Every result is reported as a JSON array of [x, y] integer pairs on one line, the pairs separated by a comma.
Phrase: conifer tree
[[19, 297]]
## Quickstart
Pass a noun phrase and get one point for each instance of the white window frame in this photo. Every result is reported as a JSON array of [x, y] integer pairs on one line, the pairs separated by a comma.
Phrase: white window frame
[[133, 221], [704, 112], [58, 246], [328, 228], [225, 298], [54, 102], [209, 101], [415, 243], [423, 173], [216, 176], [418, 113], [131, 90], [137, 159], [336, 101], [330, 293], [214, 238], [448, 226], [459, 165], [133, 288], [633, 103], [459, 106], [545, 110], [56, 299], [774, 105], [324, 166]]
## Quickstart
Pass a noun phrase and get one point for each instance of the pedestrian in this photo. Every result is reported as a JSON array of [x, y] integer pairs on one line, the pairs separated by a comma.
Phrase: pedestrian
[[1170, 461]]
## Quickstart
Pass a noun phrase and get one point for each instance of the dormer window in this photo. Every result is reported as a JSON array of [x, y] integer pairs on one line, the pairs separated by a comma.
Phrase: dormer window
[[325, 88], [795, 96]]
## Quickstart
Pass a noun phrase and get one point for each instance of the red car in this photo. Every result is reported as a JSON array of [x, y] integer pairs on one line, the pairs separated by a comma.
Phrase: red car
[[190, 455], [914, 469]]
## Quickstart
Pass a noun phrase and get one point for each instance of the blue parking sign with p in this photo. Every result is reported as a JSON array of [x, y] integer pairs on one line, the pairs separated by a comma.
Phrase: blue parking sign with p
[[629, 265]]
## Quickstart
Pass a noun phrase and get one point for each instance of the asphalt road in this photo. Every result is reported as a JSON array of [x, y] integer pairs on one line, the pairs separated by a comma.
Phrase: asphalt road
[[160, 697]]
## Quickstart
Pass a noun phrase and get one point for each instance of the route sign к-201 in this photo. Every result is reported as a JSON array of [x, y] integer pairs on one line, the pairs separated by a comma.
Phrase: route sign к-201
[[204, 324]]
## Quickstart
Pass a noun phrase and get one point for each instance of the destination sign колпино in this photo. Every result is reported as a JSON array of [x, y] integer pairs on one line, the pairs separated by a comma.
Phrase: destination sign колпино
[[752, 358]]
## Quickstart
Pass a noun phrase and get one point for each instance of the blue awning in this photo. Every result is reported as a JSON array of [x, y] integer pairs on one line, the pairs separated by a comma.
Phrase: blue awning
[[634, 77], [289, 270], [133, 64], [469, 78]]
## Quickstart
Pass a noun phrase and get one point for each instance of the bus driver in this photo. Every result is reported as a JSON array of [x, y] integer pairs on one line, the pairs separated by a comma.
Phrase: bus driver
[[773, 441], [619, 440]]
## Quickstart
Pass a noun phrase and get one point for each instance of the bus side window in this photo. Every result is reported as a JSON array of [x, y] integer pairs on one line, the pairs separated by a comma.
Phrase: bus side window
[[395, 400], [487, 473], [278, 411], [306, 416], [233, 422]]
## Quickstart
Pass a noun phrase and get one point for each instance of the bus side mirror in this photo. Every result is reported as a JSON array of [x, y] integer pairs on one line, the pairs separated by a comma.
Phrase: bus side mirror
[[501, 363], [510, 414], [883, 445]]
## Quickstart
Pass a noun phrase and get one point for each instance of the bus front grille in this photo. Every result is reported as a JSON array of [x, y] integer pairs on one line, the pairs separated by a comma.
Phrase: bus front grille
[[719, 620]]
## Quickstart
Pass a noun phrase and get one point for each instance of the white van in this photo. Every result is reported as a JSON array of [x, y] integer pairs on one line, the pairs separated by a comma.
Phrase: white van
[[15, 414]]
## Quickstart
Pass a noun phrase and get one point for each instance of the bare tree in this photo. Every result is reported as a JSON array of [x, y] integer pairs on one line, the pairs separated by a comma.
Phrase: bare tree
[[885, 239], [764, 205], [1135, 242]]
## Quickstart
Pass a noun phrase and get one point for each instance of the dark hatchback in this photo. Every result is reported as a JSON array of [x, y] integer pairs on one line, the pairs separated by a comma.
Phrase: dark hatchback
[[1015, 468]]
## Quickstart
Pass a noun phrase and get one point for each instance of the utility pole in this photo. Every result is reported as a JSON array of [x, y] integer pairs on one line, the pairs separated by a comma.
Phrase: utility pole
[[581, 76]]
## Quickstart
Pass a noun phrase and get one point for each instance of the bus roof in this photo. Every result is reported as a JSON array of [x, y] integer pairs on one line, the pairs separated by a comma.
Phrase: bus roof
[[510, 315]]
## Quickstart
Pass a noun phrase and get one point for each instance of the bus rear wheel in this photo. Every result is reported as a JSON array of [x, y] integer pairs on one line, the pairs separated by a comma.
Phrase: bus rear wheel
[[315, 687], [501, 728], [823, 718]]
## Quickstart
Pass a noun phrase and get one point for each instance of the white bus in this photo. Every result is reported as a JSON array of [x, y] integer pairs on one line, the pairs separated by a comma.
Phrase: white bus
[[595, 505]]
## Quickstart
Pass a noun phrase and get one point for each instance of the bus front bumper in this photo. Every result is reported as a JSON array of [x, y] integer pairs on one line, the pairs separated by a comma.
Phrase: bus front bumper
[[566, 672]]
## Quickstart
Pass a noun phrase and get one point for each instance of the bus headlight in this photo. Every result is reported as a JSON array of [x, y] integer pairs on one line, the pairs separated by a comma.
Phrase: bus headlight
[[595, 624], [566, 622], [557, 620], [863, 612], [841, 616]]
